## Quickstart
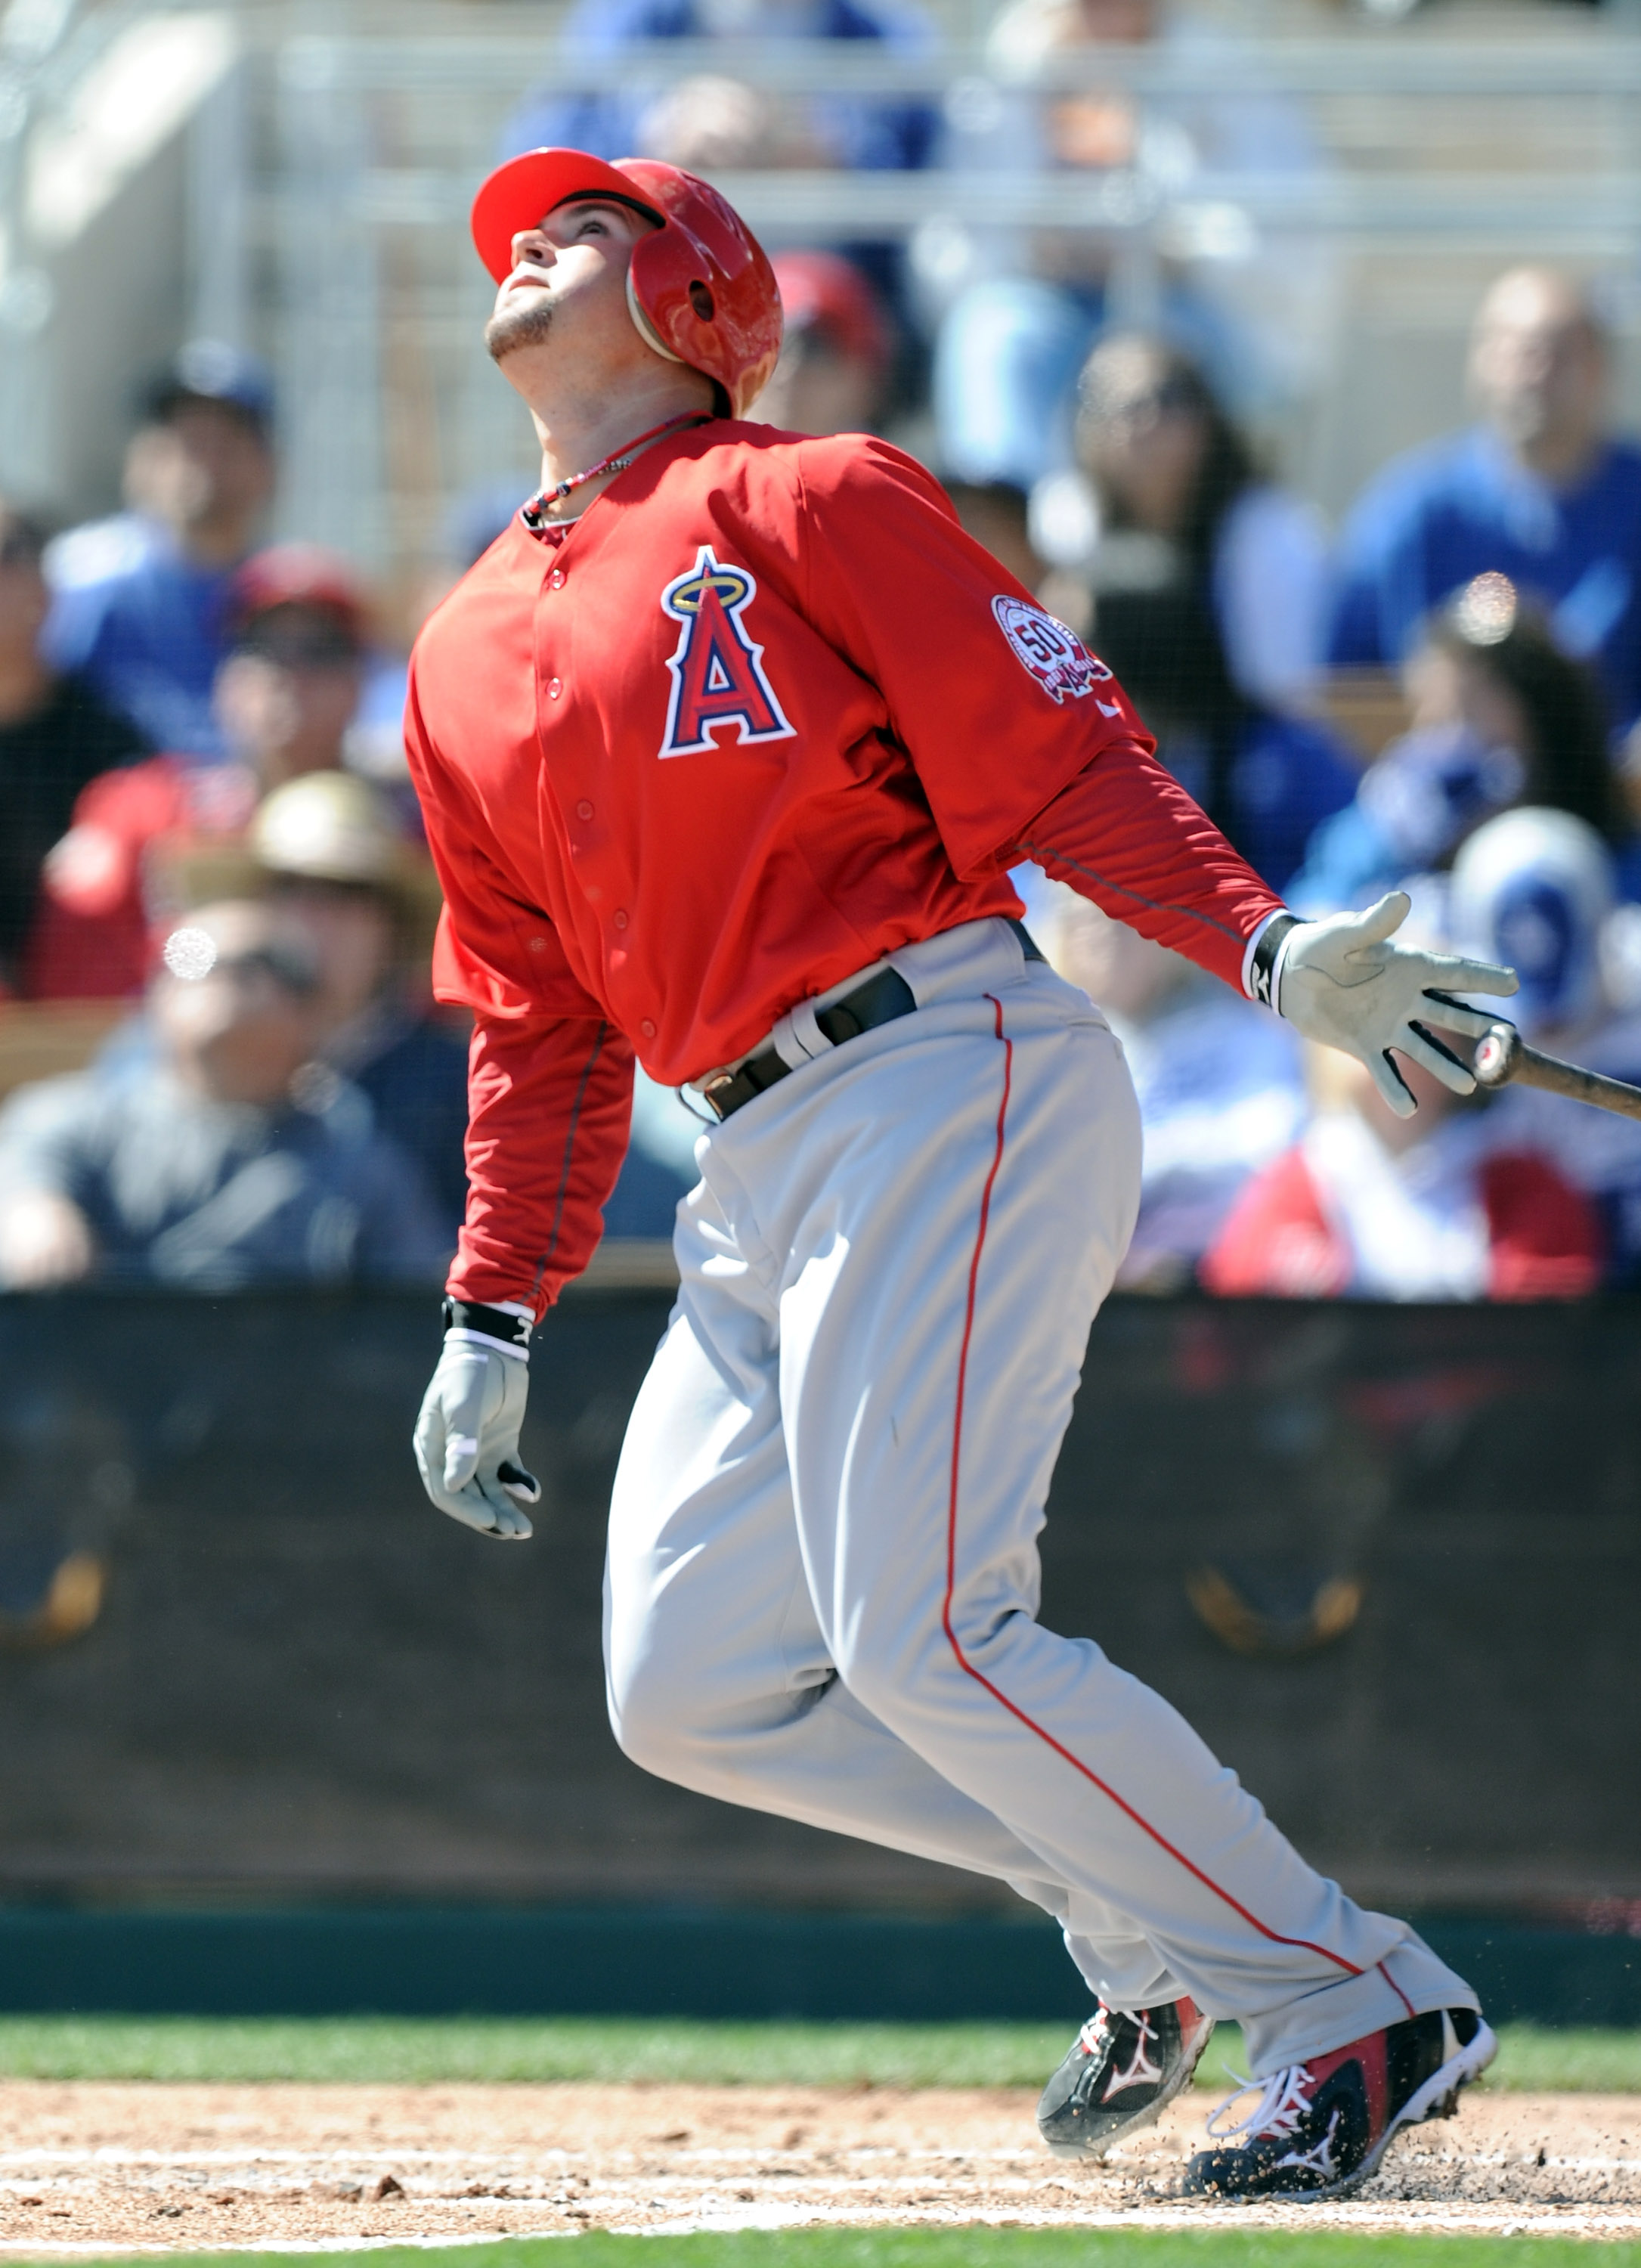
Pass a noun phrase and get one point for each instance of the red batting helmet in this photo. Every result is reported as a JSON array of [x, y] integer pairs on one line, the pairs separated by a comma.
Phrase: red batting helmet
[[700, 288]]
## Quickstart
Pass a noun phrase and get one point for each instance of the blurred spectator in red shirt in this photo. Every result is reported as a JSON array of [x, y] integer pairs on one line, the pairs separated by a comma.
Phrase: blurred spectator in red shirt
[[55, 735], [284, 696], [1370, 1206]]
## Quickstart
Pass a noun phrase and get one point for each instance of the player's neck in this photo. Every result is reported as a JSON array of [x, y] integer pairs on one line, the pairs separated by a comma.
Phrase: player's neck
[[578, 435]]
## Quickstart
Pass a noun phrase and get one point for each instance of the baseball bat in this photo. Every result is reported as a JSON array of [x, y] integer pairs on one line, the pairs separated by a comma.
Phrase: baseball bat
[[1503, 1054]]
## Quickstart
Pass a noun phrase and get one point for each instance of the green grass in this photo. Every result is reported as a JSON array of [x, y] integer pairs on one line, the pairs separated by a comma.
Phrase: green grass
[[405, 2051], [980, 2247]]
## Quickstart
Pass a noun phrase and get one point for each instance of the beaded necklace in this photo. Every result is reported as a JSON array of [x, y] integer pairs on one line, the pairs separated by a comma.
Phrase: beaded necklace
[[534, 511]]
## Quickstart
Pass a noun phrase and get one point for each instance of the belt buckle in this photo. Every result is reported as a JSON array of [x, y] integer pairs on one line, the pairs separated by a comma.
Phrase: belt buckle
[[711, 1088]]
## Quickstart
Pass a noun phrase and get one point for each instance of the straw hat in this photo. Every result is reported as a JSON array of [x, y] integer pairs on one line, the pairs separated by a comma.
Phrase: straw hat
[[323, 826]]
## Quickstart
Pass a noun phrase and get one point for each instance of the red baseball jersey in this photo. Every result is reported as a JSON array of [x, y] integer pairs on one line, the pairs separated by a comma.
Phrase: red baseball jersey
[[762, 714]]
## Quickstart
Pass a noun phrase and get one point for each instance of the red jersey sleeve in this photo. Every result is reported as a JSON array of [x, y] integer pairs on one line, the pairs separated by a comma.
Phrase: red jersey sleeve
[[997, 704], [549, 1081], [1125, 834], [1022, 740]]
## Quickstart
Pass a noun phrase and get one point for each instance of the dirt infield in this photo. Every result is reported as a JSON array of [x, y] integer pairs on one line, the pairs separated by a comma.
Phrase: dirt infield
[[130, 2167]]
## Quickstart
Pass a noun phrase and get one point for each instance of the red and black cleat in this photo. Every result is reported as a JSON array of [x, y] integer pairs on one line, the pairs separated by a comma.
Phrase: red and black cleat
[[1320, 2128], [1121, 2071]]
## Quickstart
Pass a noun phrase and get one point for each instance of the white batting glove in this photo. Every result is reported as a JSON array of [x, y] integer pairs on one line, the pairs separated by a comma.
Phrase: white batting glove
[[1341, 982], [467, 1437]]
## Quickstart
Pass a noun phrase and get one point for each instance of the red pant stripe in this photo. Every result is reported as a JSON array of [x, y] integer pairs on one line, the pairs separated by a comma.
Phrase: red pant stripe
[[1060, 1749]]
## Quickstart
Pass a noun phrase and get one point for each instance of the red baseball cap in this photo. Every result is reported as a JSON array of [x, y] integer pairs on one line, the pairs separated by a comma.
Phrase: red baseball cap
[[299, 575], [822, 291], [528, 188]]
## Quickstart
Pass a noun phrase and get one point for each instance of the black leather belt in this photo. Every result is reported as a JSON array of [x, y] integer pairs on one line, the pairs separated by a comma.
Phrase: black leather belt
[[879, 1000]]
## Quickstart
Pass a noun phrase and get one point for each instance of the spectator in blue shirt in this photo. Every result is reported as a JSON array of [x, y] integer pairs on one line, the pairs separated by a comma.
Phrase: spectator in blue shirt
[[140, 601], [855, 132], [710, 123], [1538, 491]]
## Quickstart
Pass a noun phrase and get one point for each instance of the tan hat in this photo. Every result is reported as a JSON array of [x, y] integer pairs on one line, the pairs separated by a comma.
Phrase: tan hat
[[323, 826], [331, 827]]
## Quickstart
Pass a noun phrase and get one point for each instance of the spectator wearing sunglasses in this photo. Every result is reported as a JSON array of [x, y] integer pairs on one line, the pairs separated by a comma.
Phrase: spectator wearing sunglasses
[[57, 735], [284, 696], [219, 1157]]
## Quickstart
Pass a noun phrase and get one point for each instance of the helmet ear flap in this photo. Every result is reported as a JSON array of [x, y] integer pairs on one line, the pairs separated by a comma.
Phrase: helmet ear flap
[[642, 324], [700, 289]]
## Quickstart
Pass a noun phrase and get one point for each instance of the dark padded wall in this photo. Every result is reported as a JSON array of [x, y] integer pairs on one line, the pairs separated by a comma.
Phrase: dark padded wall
[[304, 1681]]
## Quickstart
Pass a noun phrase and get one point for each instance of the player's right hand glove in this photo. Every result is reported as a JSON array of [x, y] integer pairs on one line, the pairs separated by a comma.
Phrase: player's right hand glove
[[467, 1437], [1341, 982]]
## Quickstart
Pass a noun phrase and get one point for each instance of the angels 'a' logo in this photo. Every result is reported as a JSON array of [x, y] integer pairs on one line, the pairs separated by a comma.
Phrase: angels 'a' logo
[[717, 667], [1055, 657]]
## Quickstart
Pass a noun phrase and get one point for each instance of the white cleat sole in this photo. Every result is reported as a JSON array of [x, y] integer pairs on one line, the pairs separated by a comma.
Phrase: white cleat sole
[[1438, 2098]]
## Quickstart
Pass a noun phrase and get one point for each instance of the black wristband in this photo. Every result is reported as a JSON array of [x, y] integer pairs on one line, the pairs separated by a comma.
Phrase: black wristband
[[491, 1322], [1264, 969]]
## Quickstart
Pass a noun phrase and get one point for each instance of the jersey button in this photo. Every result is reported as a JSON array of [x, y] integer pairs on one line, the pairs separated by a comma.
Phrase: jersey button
[[584, 811], [555, 580], [620, 918], [554, 686], [647, 1028]]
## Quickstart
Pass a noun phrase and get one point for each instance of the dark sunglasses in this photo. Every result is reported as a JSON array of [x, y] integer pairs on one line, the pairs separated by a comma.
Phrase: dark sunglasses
[[281, 964], [1168, 398]]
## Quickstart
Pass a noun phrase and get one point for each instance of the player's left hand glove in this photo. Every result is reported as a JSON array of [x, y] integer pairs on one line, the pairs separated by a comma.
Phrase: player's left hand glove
[[1341, 982], [467, 1437]]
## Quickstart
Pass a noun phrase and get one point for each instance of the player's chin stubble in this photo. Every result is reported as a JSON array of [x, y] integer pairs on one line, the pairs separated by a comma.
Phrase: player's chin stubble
[[524, 325]]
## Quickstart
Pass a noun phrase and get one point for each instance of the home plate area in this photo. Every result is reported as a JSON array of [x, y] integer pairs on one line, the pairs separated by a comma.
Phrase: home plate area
[[98, 2169]]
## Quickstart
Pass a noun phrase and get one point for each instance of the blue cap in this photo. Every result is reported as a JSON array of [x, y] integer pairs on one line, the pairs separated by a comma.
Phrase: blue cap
[[209, 370]]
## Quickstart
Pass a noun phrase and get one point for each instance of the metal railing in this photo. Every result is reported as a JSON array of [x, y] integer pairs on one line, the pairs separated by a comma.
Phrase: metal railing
[[331, 179]]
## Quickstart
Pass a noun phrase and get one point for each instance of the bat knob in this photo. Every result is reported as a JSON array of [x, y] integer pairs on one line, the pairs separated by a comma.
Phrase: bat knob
[[1496, 1054]]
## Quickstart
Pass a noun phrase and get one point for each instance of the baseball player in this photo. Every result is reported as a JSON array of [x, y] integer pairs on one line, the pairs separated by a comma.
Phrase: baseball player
[[725, 748]]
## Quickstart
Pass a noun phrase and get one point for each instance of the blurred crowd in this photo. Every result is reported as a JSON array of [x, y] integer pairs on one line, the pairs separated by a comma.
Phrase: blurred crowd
[[205, 821]]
